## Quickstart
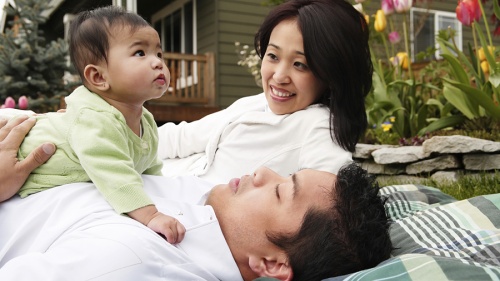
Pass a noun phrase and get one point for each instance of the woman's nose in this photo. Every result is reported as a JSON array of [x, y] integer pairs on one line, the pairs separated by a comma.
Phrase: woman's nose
[[281, 75], [263, 176]]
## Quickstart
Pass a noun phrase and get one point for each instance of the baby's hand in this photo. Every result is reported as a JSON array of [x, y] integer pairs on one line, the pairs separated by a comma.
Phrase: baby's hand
[[168, 226]]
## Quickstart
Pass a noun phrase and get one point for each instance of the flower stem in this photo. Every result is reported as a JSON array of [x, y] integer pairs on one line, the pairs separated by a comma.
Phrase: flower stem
[[485, 22], [475, 46], [391, 24], [384, 41], [406, 46]]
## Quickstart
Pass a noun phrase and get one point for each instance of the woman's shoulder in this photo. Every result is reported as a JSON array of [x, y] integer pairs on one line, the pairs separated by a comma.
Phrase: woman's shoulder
[[314, 111], [254, 102]]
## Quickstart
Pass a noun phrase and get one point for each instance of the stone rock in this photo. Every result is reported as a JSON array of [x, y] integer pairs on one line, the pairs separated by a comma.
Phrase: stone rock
[[447, 176], [364, 151], [459, 144], [395, 155], [385, 180], [377, 169], [430, 165], [481, 162]]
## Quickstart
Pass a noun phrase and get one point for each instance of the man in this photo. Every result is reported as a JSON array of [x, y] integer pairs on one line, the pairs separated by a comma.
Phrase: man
[[309, 226], [15, 173]]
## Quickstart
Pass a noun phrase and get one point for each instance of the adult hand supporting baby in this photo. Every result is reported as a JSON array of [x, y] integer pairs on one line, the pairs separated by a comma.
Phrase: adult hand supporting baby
[[14, 172]]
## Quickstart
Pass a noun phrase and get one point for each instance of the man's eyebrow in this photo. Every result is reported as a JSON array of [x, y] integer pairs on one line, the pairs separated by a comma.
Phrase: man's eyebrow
[[296, 186]]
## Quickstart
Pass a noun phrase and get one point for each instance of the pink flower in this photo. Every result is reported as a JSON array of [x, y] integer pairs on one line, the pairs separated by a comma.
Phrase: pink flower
[[468, 11], [394, 37], [387, 7], [402, 6], [23, 102], [10, 103]]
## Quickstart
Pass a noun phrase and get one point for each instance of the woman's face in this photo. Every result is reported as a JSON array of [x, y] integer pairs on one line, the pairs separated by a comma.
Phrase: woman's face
[[288, 82]]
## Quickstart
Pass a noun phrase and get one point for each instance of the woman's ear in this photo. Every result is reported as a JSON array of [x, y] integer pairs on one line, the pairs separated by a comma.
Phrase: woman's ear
[[94, 76], [276, 267]]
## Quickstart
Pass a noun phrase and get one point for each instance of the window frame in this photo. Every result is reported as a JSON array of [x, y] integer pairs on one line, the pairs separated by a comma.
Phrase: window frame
[[169, 10], [438, 15]]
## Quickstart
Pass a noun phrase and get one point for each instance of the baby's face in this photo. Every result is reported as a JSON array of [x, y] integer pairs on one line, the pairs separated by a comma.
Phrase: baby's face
[[136, 71]]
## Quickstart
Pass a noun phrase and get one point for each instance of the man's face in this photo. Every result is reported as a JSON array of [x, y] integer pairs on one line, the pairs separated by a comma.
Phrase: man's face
[[249, 207]]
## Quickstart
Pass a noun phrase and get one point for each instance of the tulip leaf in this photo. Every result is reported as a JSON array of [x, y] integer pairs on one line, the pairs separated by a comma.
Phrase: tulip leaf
[[460, 100], [423, 112], [457, 68], [479, 97], [379, 91], [445, 48], [445, 122], [495, 79], [484, 44], [496, 9]]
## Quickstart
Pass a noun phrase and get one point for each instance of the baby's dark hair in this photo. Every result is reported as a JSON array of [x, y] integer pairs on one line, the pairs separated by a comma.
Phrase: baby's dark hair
[[89, 34], [349, 236]]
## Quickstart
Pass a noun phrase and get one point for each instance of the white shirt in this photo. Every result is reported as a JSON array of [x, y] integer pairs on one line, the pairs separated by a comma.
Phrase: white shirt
[[71, 233], [247, 135]]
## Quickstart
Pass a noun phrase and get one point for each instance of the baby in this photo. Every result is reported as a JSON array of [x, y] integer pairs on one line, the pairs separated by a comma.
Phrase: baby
[[106, 135]]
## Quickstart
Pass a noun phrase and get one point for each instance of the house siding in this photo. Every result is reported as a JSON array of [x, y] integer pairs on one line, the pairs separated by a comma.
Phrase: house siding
[[237, 20]]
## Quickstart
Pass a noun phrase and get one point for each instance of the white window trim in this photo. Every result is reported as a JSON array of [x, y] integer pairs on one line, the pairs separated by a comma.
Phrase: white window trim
[[130, 5], [3, 14], [436, 13]]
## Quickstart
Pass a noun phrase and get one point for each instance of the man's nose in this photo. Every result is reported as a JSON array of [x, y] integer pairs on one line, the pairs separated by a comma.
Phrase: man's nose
[[263, 176]]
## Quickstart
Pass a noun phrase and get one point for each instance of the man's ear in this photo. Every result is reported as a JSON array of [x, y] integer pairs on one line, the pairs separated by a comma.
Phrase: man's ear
[[94, 75], [276, 267]]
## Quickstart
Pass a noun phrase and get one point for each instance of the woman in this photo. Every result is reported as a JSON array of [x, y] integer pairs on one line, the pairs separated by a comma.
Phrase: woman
[[316, 71]]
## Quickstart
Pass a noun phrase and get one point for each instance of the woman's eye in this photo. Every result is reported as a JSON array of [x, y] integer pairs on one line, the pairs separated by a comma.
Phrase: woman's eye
[[300, 65], [272, 56], [139, 53]]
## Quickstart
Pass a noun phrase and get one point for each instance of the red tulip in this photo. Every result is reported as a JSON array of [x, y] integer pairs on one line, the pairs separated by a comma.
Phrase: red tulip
[[468, 11], [402, 6], [387, 7], [394, 37], [10, 103], [23, 102]]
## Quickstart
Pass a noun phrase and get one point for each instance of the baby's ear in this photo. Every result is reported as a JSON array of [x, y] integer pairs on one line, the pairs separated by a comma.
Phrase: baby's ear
[[276, 267], [94, 76]]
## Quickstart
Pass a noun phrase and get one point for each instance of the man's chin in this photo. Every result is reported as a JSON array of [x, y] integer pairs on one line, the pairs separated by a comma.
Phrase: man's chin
[[213, 195]]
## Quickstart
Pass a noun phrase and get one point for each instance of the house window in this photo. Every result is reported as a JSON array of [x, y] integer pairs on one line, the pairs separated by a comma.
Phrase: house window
[[129, 5], [176, 24], [425, 25]]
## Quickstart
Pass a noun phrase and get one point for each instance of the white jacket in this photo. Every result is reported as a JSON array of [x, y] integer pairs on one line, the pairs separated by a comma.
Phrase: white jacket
[[247, 135]]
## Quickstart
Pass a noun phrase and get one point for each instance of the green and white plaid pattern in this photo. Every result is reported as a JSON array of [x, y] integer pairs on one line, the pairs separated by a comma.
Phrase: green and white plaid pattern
[[438, 238]]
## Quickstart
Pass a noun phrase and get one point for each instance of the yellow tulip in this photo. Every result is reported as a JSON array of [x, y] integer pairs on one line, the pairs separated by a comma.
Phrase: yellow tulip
[[380, 21], [367, 19], [403, 59], [482, 56], [485, 67]]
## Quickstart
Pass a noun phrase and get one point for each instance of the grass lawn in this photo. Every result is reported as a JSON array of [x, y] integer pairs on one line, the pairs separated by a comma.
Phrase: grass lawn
[[465, 187]]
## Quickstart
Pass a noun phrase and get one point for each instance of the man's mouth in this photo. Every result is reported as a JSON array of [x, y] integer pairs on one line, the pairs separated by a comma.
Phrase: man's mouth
[[234, 184]]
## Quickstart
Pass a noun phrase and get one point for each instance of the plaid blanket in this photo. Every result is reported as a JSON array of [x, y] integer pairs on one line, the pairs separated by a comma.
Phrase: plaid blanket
[[438, 238]]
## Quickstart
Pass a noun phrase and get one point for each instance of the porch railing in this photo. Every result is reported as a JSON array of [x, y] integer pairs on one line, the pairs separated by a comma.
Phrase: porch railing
[[192, 79], [191, 93]]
